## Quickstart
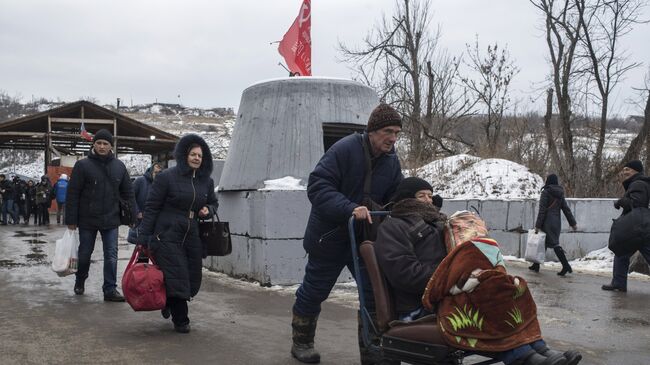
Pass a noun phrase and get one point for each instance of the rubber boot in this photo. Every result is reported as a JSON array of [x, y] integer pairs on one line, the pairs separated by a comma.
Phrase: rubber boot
[[562, 257], [534, 267], [304, 330]]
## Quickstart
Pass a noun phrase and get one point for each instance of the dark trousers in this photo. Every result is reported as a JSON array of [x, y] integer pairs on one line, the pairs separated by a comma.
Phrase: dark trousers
[[60, 211], [320, 276], [8, 207], [43, 214], [87, 239], [178, 309], [622, 265]]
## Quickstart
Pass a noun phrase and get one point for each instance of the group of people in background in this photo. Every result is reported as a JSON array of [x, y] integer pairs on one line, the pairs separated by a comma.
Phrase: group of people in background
[[22, 199]]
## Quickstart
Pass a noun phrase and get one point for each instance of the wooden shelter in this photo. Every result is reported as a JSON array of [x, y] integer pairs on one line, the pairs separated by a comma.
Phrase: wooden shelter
[[58, 132]]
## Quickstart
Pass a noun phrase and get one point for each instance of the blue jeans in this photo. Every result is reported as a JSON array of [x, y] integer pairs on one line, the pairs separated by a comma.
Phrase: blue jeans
[[8, 207], [508, 357], [320, 276], [87, 245], [622, 265]]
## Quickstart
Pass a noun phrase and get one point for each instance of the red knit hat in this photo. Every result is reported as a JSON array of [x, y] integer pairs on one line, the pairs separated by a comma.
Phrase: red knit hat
[[382, 116]]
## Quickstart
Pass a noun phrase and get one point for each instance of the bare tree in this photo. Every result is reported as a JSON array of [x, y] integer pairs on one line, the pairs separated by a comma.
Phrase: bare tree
[[636, 146], [494, 71], [563, 23], [605, 23], [401, 58]]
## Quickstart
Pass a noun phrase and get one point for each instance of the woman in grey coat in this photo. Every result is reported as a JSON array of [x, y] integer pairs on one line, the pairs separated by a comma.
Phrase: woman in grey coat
[[549, 220]]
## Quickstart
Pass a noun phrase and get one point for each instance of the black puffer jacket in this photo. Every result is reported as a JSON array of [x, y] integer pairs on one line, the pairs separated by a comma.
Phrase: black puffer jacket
[[636, 193], [548, 217], [409, 248], [92, 198], [171, 216]]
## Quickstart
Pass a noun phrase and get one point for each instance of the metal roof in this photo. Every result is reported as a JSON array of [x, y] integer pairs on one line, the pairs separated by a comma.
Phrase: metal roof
[[62, 125]]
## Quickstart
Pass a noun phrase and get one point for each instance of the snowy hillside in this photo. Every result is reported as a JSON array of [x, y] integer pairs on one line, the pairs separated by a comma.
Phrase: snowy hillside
[[469, 177]]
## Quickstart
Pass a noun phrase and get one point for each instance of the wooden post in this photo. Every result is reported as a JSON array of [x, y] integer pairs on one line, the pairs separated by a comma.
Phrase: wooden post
[[48, 144], [115, 136]]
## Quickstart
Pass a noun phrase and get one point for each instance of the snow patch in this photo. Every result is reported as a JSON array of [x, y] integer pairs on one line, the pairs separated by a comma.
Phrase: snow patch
[[469, 177], [284, 183]]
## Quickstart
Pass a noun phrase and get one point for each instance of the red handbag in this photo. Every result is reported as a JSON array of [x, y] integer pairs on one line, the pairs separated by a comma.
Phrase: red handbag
[[143, 283]]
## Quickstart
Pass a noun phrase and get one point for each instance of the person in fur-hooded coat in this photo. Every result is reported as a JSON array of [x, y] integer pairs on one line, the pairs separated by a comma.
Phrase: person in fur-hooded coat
[[178, 197]]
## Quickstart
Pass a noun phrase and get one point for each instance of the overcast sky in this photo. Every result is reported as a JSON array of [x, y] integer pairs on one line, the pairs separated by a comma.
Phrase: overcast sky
[[209, 51]]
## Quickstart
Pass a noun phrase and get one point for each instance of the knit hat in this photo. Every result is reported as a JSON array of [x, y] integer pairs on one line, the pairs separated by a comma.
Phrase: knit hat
[[382, 116], [635, 165], [551, 180], [408, 187], [104, 135]]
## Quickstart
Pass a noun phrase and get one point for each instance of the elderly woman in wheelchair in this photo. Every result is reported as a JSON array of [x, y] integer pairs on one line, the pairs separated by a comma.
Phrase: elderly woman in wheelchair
[[462, 295]]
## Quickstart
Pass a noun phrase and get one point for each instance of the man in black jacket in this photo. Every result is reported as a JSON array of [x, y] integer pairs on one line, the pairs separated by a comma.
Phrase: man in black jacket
[[7, 190], [96, 184], [636, 195], [336, 192]]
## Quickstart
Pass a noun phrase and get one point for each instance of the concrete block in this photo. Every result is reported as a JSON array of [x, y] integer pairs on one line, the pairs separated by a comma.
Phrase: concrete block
[[234, 208], [521, 215], [495, 214], [278, 214], [449, 207], [509, 242], [593, 215]]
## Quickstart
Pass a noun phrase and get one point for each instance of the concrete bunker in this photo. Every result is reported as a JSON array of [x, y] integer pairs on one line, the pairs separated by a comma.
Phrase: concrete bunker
[[282, 129]]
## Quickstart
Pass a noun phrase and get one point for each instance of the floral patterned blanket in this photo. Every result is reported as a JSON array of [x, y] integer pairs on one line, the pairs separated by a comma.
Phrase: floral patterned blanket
[[480, 306]]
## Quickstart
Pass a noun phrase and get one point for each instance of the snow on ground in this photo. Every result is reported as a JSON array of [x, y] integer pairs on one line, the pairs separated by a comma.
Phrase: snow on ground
[[33, 169], [284, 183], [469, 177]]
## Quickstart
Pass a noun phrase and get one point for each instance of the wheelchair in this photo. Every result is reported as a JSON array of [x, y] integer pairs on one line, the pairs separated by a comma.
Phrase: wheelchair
[[418, 342]]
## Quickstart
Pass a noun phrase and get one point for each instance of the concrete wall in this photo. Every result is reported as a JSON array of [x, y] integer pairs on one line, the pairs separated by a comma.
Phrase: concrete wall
[[268, 227], [509, 221]]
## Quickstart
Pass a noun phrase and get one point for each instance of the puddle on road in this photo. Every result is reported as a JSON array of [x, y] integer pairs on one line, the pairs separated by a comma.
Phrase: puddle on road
[[10, 263], [28, 234], [39, 257], [35, 242]]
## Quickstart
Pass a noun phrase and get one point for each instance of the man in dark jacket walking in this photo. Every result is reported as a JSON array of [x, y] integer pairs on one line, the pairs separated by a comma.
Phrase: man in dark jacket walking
[[96, 184], [7, 190], [141, 188], [636, 195], [336, 192]]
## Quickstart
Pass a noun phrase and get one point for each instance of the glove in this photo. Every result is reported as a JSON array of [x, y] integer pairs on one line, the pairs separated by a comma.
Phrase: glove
[[617, 205]]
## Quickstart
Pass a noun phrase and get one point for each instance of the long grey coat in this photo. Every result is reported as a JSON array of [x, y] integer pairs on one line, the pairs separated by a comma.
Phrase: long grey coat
[[548, 217]]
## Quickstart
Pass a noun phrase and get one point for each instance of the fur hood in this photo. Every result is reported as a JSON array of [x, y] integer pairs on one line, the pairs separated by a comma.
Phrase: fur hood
[[182, 150]]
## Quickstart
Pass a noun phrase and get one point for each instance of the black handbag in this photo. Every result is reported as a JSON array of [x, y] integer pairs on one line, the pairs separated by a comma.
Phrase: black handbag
[[215, 237], [630, 231]]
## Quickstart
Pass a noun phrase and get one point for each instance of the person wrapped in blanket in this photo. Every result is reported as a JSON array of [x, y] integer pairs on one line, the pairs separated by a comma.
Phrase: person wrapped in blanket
[[479, 307]]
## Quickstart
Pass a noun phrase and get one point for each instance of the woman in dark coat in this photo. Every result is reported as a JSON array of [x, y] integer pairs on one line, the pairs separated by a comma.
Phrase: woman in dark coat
[[549, 220], [178, 197]]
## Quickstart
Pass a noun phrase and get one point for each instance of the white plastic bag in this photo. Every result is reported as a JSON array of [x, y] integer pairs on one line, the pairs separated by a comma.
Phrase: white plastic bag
[[66, 253], [536, 247]]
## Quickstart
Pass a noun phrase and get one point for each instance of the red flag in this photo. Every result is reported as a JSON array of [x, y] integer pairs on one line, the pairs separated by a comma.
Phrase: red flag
[[295, 46], [84, 133]]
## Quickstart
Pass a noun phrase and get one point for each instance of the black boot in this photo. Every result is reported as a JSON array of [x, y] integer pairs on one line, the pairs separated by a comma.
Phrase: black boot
[[79, 286], [562, 257], [573, 356], [534, 267], [304, 330], [533, 358]]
